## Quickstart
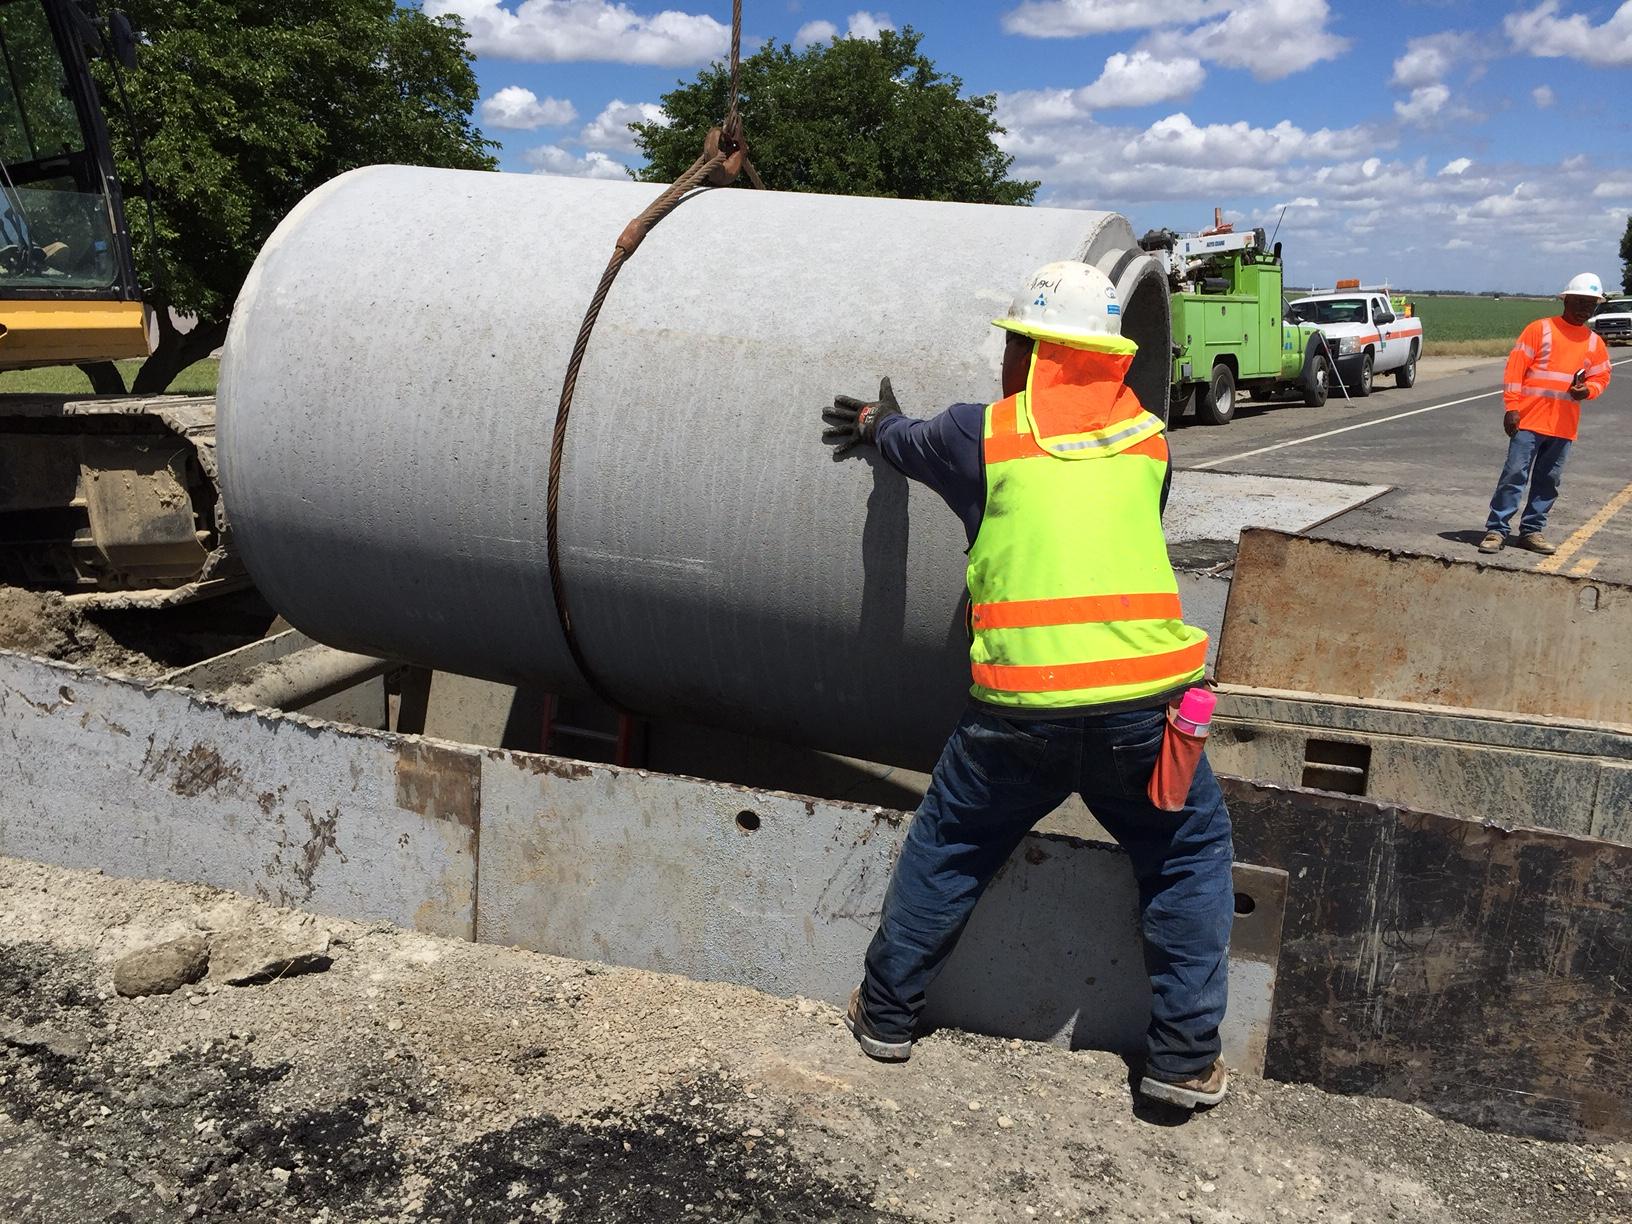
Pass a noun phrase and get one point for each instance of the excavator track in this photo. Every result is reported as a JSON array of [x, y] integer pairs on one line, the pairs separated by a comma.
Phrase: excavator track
[[113, 501]]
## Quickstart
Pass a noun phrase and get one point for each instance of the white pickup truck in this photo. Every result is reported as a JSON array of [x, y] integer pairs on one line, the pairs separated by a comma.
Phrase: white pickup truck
[[1366, 336]]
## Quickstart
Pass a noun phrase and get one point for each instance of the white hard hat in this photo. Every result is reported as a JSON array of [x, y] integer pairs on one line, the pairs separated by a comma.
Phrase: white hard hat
[[1585, 285], [1069, 303]]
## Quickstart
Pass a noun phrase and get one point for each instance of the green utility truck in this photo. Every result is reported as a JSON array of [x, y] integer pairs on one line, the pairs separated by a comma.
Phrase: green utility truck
[[1230, 330]]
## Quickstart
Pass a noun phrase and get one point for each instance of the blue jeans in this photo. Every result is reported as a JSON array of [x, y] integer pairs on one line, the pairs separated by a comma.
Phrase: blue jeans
[[1533, 459], [996, 778]]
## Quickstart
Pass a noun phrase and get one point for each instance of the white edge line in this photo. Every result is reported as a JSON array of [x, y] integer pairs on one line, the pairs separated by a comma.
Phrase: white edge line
[[1332, 433]]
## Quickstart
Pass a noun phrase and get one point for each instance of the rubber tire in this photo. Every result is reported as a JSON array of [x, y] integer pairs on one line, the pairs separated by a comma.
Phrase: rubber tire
[[1406, 376], [1215, 402], [1362, 385], [1320, 373]]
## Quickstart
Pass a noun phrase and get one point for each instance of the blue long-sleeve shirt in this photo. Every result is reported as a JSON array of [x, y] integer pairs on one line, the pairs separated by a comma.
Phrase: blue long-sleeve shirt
[[944, 453]]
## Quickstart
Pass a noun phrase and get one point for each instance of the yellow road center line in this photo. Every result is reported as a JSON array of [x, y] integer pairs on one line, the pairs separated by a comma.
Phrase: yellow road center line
[[1584, 567], [1586, 531]]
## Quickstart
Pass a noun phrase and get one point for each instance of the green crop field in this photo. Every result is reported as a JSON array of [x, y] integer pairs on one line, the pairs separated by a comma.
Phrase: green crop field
[[1454, 318]]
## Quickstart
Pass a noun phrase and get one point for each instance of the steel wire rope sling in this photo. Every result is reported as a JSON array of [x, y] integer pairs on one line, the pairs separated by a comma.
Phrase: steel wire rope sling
[[723, 160]]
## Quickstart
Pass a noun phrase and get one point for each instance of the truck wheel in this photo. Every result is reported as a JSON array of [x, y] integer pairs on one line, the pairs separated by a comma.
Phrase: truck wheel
[[1362, 385], [1406, 375], [1317, 381], [1215, 402]]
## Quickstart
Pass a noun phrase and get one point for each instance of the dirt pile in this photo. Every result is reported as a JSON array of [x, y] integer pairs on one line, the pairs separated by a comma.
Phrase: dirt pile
[[137, 642], [425, 1080]]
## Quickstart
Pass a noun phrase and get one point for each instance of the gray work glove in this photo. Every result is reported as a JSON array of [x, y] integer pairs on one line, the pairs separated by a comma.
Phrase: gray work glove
[[854, 421]]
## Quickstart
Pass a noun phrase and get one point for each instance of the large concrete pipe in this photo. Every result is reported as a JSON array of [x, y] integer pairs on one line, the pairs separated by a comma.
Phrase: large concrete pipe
[[390, 383]]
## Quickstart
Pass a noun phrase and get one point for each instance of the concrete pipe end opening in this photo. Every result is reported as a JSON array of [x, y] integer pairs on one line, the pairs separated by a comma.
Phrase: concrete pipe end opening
[[1147, 321]]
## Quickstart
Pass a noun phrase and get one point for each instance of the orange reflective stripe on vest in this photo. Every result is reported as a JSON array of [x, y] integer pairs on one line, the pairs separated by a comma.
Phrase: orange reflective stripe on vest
[[1181, 664], [1074, 609]]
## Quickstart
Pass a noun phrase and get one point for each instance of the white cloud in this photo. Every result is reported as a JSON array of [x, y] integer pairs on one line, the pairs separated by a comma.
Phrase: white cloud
[[1430, 59], [1425, 102], [610, 128], [1518, 202], [1343, 190], [1071, 18], [558, 30], [1269, 38], [1137, 79], [1178, 140], [1541, 31], [868, 25], [1140, 79], [515, 109], [815, 32], [553, 159], [1544, 96], [1090, 164]]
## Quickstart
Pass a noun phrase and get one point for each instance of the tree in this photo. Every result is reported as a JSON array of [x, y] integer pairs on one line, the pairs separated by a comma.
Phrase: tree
[[856, 116], [1626, 258], [245, 106]]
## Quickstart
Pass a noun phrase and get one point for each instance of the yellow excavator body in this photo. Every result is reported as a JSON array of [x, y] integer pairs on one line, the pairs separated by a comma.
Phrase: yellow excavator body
[[50, 333]]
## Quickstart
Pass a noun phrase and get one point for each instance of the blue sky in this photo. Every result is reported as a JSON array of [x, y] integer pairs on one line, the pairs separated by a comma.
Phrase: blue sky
[[1430, 143]]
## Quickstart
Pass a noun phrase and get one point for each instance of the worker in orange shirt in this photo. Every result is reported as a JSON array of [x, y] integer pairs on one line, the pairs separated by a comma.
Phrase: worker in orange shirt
[[1556, 364]]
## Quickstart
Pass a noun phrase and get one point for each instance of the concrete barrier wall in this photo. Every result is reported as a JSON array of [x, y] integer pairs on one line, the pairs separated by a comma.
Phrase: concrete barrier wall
[[1477, 970], [1573, 777], [137, 780], [1319, 616], [705, 879]]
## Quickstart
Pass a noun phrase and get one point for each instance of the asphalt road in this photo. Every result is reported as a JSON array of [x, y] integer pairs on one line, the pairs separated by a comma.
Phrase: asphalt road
[[1440, 447]]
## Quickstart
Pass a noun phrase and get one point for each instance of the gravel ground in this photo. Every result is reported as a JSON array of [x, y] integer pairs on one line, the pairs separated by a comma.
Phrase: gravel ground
[[1434, 367], [423, 1079]]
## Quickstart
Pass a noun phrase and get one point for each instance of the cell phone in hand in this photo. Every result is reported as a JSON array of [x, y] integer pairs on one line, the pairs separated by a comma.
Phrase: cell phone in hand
[[1580, 376]]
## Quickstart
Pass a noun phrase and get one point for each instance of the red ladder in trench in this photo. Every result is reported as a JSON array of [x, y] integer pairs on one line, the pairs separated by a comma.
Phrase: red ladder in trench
[[627, 741]]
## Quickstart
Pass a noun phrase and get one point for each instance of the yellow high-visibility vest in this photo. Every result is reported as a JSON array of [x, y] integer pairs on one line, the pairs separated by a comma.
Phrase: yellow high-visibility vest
[[1072, 599]]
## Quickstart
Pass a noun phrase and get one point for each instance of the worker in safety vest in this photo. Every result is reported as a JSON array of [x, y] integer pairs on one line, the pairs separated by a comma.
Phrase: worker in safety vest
[[1556, 364], [1078, 646]]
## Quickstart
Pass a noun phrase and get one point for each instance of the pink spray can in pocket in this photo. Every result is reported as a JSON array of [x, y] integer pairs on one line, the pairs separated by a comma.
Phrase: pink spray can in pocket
[[1183, 738]]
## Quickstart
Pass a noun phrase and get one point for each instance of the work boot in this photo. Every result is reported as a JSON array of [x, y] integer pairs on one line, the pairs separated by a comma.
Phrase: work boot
[[1535, 542], [1492, 542], [872, 1045], [1198, 1091]]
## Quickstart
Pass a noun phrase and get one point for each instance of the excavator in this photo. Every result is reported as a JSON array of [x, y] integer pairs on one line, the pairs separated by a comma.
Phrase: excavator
[[111, 500]]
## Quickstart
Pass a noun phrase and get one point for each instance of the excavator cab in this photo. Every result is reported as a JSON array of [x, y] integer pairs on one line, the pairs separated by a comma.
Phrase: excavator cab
[[68, 287]]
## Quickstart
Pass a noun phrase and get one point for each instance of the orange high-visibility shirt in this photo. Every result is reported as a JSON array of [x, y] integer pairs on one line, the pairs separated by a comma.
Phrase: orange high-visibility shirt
[[1540, 369]]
